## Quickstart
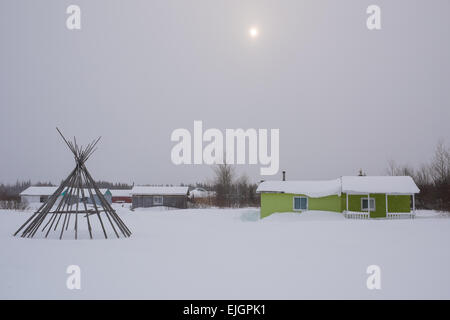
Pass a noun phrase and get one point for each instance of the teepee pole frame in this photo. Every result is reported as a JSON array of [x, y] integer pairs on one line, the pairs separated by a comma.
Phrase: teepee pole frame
[[68, 194]]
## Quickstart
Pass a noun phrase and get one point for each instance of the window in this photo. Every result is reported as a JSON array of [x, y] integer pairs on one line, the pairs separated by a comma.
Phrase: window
[[300, 203], [157, 200], [364, 202]]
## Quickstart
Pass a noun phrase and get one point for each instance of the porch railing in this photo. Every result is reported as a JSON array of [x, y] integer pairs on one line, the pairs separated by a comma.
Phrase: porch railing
[[390, 215], [356, 215], [400, 215]]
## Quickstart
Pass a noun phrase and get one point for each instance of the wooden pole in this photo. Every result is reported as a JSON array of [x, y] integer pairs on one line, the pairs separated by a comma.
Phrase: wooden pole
[[73, 186], [95, 206]]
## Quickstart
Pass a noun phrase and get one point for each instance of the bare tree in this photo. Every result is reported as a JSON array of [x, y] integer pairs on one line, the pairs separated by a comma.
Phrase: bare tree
[[440, 173], [433, 180], [232, 191], [440, 165], [392, 169], [422, 176], [406, 170], [223, 182]]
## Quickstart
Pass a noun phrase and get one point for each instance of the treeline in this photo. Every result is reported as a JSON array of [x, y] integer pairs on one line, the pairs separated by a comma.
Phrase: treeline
[[433, 179], [113, 185], [9, 194], [12, 191], [229, 190]]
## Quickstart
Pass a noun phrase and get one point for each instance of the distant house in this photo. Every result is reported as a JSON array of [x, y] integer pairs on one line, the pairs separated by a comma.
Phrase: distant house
[[90, 200], [201, 193], [356, 197], [39, 194], [121, 195], [36, 194], [144, 197]]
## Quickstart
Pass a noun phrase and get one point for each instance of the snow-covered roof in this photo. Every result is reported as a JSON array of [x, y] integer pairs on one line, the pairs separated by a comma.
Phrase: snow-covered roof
[[48, 191], [144, 190], [314, 189], [38, 191], [201, 193], [86, 191], [120, 192], [346, 184], [379, 184]]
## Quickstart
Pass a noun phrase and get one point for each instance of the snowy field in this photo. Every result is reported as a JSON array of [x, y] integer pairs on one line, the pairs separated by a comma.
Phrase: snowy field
[[231, 254]]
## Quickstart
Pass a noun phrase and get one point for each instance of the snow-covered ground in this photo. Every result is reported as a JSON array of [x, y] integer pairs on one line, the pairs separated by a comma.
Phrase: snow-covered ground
[[231, 254]]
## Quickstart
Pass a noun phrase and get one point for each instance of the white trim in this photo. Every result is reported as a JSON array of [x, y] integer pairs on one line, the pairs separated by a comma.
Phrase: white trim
[[299, 197], [158, 203], [390, 193], [387, 206], [346, 197], [369, 209]]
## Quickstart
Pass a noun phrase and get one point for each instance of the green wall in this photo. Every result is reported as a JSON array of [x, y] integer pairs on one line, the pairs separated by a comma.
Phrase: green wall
[[399, 203], [275, 202], [329, 203], [354, 204], [396, 204], [283, 202]]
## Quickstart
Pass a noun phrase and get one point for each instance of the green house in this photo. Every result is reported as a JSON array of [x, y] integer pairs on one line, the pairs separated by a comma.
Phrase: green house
[[354, 196]]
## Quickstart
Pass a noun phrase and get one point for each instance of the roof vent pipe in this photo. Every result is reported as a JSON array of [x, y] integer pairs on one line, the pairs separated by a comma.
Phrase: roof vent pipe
[[284, 175]]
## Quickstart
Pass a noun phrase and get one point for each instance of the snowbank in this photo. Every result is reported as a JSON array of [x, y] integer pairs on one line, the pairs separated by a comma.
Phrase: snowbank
[[424, 214], [228, 254], [304, 216]]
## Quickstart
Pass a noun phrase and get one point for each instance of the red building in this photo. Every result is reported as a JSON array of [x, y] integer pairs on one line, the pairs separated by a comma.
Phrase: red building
[[121, 195]]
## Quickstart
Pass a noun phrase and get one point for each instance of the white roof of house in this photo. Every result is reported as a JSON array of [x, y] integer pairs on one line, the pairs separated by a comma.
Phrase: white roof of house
[[86, 191], [144, 190], [48, 191], [38, 191], [314, 189], [201, 193], [347, 184], [379, 184], [120, 192]]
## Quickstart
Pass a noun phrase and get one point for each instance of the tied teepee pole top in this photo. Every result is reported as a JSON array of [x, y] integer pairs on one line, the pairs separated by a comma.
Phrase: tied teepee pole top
[[81, 156], [78, 188]]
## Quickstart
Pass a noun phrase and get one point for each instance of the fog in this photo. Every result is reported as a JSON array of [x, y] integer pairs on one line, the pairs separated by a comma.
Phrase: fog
[[342, 97]]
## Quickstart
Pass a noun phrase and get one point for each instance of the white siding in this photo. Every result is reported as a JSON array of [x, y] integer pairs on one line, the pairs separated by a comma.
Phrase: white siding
[[30, 199]]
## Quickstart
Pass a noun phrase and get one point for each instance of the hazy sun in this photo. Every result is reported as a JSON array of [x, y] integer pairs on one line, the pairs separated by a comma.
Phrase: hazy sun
[[254, 32]]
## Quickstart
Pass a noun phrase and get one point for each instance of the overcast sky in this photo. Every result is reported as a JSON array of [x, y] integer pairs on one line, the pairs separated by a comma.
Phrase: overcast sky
[[342, 96]]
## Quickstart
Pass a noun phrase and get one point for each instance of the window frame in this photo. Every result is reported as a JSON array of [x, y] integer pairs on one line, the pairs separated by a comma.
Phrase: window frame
[[300, 197], [158, 203], [370, 200]]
